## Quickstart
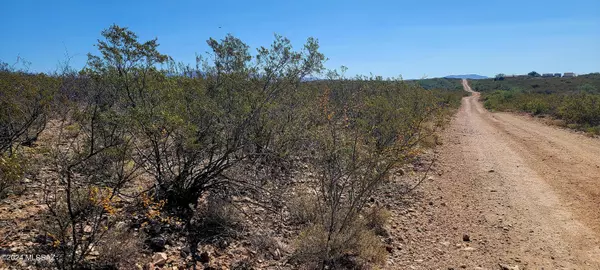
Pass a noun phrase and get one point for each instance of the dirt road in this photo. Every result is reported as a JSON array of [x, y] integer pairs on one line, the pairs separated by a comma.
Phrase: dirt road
[[526, 194]]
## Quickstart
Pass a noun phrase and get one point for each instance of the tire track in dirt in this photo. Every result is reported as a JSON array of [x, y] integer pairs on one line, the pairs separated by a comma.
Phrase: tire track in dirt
[[527, 194], [551, 176]]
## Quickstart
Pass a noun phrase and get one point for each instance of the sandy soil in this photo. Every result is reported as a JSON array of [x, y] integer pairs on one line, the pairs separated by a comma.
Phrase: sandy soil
[[526, 194]]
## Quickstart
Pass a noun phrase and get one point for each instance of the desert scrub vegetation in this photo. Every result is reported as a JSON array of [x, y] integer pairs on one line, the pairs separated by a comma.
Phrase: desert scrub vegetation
[[440, 83], [579, 108], [11, 172], [158, 153], [25, 101], [363, 130], [586, 82]]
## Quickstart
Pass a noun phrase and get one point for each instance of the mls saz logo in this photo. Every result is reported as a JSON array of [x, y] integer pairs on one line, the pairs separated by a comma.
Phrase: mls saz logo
[[27, 257]]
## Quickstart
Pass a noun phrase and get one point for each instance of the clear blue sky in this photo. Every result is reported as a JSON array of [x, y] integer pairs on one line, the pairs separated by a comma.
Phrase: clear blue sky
[[388, 38]]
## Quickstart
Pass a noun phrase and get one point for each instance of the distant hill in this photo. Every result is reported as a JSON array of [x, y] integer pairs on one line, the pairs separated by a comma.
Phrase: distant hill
[[467, 76]]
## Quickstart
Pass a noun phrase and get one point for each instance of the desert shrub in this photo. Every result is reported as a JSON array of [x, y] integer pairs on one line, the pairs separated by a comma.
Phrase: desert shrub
[[574, 100], [499, 100], [449, 99], [588, 88], [303, 209], [593, 130], [90, 240], [188, 128], [192, 129], [74, 225], [24, 106], [376, 218], [536, 106], [441, 83], [120, 249], [354, 248], [362, 131], [24, 101], [581, 109], [218, 220], [235, 125], [92, 165], [12, 170], [542, 85]]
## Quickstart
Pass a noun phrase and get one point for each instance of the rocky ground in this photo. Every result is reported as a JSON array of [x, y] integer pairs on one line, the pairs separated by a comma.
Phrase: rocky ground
[[261, 239], [505, 192]]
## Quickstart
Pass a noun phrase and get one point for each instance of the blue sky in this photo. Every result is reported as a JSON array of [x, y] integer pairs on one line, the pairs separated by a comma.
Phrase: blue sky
[[410, 38]]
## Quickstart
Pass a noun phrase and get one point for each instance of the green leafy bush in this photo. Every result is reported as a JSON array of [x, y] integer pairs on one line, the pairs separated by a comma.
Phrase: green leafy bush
[[536, 106], [193, 138], [580, 110], [24, 103], [12, 169], [362, 130]]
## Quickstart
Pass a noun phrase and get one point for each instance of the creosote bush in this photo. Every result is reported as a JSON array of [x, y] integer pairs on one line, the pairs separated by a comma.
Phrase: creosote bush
[[12, 169], [363, 131], [574, 100], [147, 147], [356, 246], [302, 208], [24, 107], [376, 219], [580, 110]]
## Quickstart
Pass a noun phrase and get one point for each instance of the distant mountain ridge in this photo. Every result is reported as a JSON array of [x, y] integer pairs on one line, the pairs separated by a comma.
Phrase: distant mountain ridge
[[467, 76]]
